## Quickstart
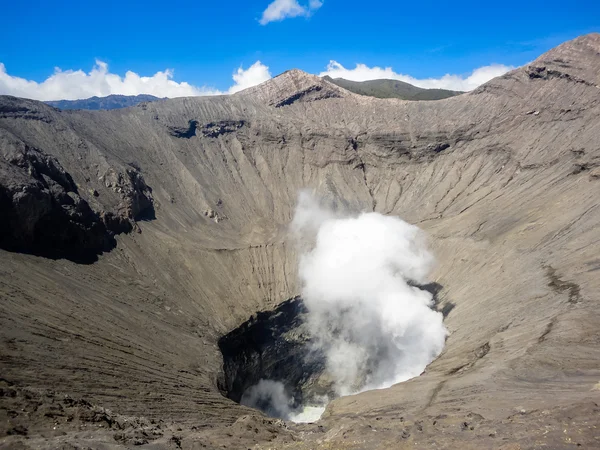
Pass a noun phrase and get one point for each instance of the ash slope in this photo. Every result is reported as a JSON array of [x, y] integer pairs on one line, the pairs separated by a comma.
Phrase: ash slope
[[504, 179]]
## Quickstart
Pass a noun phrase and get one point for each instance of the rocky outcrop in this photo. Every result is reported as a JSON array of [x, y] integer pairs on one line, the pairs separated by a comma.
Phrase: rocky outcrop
[[14, 108], [42, 212], [185, 132], [136, 196], [216, 129]]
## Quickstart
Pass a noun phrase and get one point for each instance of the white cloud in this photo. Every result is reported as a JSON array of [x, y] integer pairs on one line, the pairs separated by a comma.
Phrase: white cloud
[[76, 84], [313, 5], [255, 74], [453, 82], [283, 9]]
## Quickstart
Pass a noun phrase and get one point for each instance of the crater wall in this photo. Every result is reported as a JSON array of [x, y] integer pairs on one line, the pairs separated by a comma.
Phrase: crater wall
[[504, 180]]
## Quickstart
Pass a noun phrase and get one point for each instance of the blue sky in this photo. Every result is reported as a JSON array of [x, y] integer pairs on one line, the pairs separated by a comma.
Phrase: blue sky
[[204, 42]]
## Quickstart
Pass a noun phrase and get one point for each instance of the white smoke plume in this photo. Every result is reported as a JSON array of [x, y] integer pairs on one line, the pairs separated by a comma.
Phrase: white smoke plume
[[375, 327], [270, 397]]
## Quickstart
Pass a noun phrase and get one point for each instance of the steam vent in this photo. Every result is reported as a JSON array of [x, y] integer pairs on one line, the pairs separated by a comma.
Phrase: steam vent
[[296, 266]]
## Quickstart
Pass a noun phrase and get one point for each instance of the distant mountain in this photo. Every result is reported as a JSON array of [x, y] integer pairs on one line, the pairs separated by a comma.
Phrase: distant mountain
[[109, 102], [374, 88], [392, 89]]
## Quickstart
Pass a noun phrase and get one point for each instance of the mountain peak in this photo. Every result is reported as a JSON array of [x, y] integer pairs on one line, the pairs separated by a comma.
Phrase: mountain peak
[[295, 86], [578, 59]]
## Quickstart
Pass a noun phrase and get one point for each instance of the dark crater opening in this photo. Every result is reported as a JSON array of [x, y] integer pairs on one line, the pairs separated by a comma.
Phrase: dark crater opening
[[274, 345], [277, 346]]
